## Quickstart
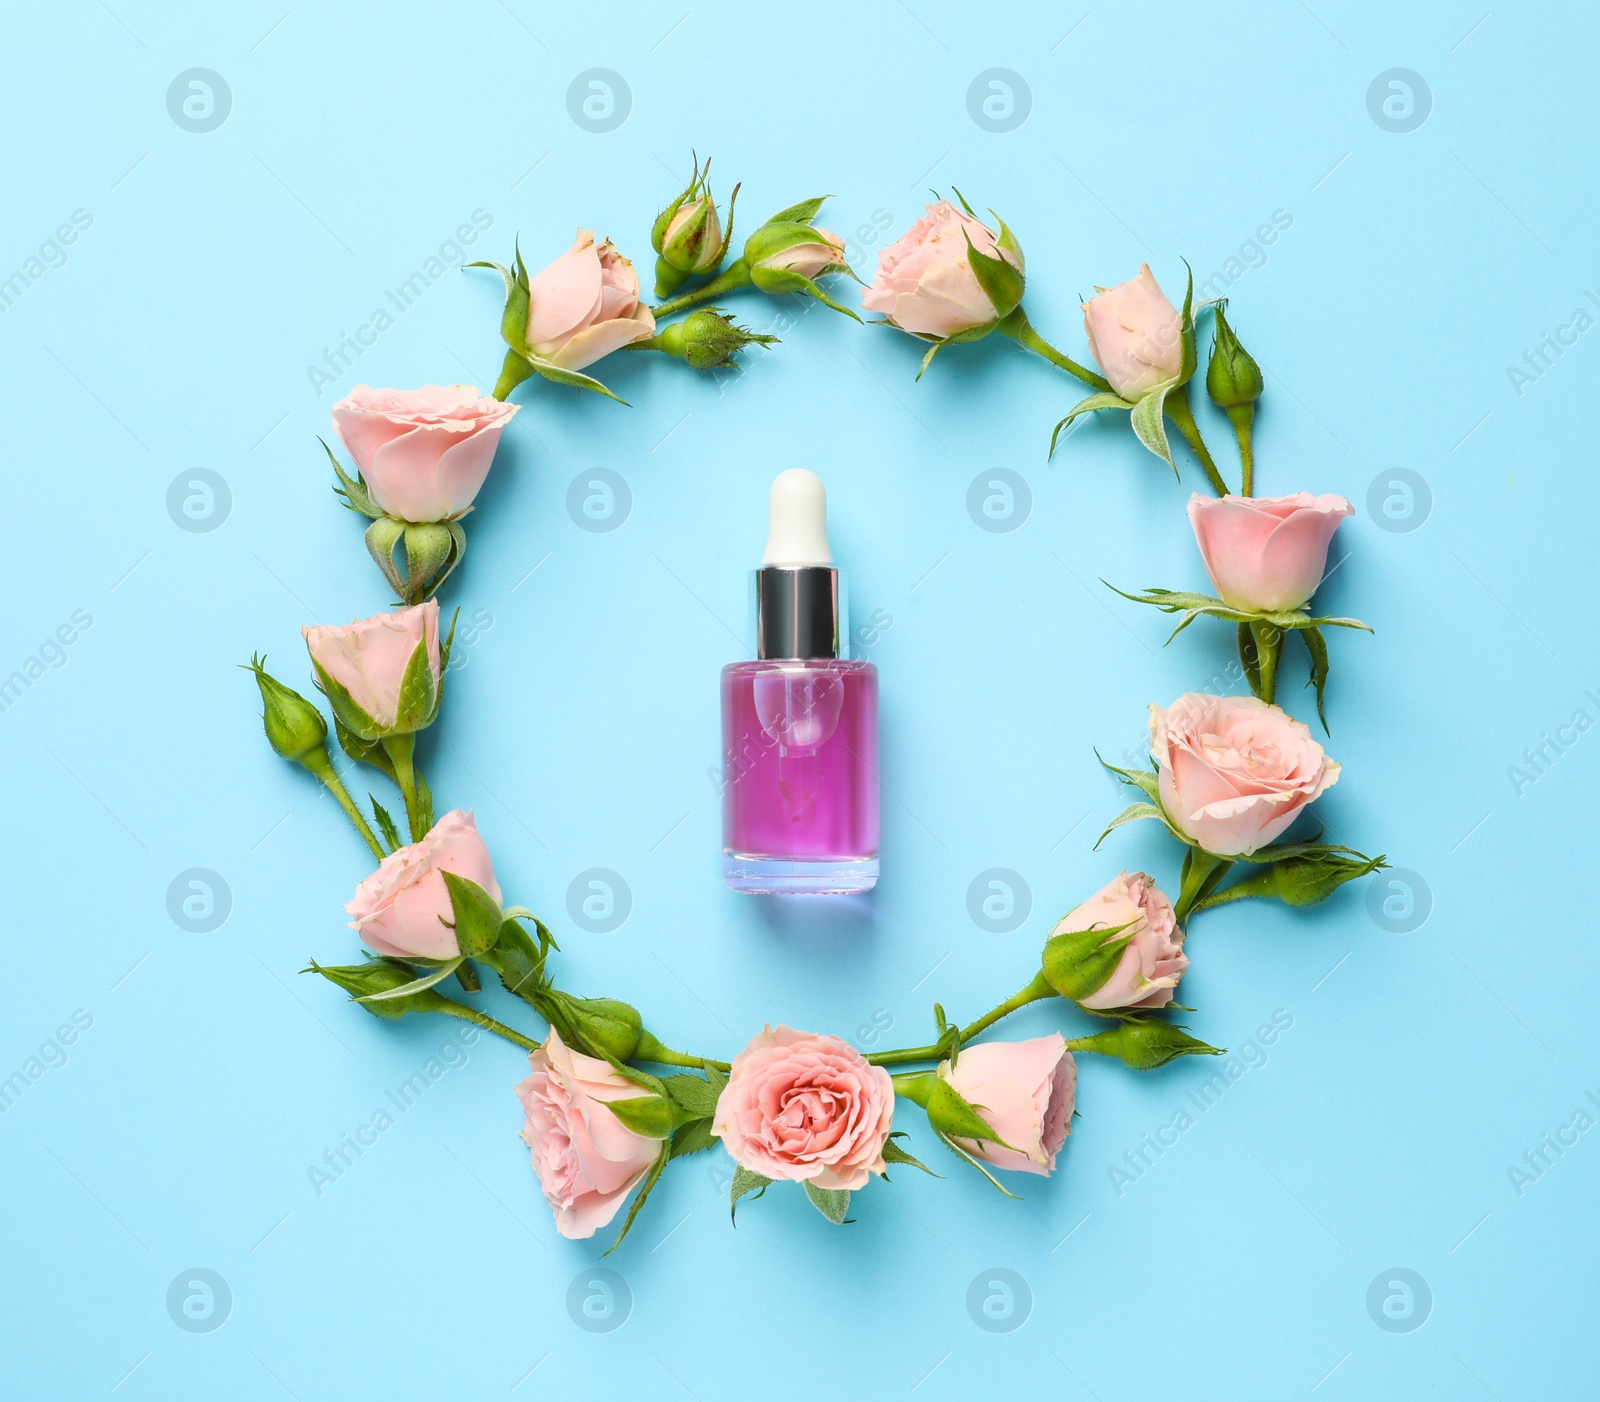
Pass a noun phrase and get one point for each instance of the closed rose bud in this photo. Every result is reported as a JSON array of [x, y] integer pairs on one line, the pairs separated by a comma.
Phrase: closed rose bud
[[1264, 554], [1135, 335], [1024, 1092], [381, 674], [786, 247], [706, 339], [585, 305], [1233, 379], [1301, 880], [688, 235], [1081, 958], [361, 981], [605, 1027], [1144, 1043], [927, 283], [295, 728]]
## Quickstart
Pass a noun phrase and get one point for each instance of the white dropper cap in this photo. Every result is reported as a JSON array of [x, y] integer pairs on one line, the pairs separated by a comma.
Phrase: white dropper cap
[[797, 514]]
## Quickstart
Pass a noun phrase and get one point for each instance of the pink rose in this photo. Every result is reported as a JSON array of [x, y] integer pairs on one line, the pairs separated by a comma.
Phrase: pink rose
[[808, 259], [401, 908], [925, 284], [800, 1105], [587, 1160], [1153, 961], [585, 305], [1235, 771], [1135, 335], [424, 452], [368, 659], [1024, 1093], [1266, 553]]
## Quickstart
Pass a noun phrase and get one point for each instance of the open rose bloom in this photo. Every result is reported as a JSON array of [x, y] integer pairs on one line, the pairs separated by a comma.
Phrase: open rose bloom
[[587, 1160], [1264, 554], [1153, 962], [1235, 771], [423, 452], [1024, 1092], [804, 1106], [1135, 335], [368, 659], [925, 283], [402, 907], [585, 305]]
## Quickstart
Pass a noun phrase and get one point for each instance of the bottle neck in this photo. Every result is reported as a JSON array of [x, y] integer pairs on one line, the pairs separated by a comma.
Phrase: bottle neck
[[798, 613]]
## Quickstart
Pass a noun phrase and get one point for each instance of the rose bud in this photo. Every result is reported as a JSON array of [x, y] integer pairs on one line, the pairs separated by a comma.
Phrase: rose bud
[[585, 305], [404, 909], [295, 728], [1135, 335], [1266, 554], [705, 339], [1024, 1092], [381, 674], [784, 247], [1233, 379], [422, 453], [802, 1106], [587, 1159], [1121, 948], [1235, 772], [361, 981], [1301, 880], [948, 274], [1144, 1043], [688, 235], [604, 1027]]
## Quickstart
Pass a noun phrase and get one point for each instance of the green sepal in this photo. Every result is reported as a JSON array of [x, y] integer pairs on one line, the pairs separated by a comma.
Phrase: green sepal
[[645, 1189], [1132, 814], [477, 915], [1191, 358], [1002, 284], [418, 703], [1317, 647], [776, 281], [430, 547], [519, 962], [1193, 605], [1144, 1043], [1249, 658], [361, 750], [650, 1115], [1147, 781], [381, 538], [976, 1163], [1149, 422], [1078, 963], [439, 974], [893, 1153], [832, 1203], [347, 715], [514, 369], [802, 213], [951, 1113], [744, 1181], [355, 495], [1091, 404], [557, 375]]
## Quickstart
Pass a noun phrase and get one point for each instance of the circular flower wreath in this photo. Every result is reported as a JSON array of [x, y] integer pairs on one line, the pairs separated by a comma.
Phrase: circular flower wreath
[[1230, 776]]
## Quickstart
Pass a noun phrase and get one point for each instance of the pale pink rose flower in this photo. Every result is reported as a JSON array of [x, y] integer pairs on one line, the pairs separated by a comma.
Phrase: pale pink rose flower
[[1235, 771], [401, 908], [1024, 1092], [807, 259], [585, 305], [1135, 335], [1153, 961], [925, 284], [587, 1160], [423, 452], [368, 658], [804, 1106], [1266, 553]]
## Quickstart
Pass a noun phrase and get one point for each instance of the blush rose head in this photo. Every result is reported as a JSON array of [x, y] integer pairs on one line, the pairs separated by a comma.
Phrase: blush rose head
[[949, 274], [1135, 335], [805, 1107], [1235, 772], [1265, 554], [382, 674], [584, 305], [587, 1159], [1024, 1092], [402, 908], [1131, 913], [423, 453]]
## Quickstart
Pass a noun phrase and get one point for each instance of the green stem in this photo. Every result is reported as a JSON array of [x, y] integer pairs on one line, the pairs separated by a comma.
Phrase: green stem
[[1182, 416], [1269, 645], [488, 1024], [731, 278], [401, 750], [1242, 418], [1201, 872], [650, 1048], [319, 764], [1020, 329], [1036, 990]]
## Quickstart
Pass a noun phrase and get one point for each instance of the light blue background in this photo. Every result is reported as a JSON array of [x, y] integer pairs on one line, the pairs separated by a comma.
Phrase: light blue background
[[177, 336]]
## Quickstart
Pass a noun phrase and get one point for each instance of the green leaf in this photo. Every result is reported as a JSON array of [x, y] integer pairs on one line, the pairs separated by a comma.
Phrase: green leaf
[[424, 802], [439, 975], [744, 1181], [978, 1164], [1317, 646], [645, 1189], [716, 1079], [832, 1203], [1150, 425], [893, 1153], [693, 1093], [1093, 404], [477, 915], [1147, 781], [802, 213], [391, 834], [692, 1138]]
